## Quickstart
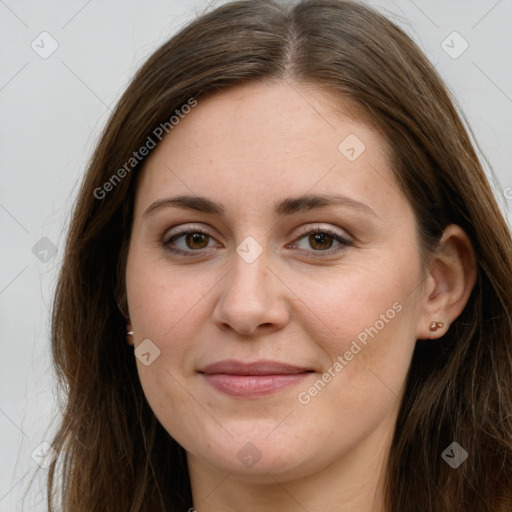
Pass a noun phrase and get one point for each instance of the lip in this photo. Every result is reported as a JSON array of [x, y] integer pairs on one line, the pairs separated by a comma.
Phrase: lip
[[263, 367], [255, 379]]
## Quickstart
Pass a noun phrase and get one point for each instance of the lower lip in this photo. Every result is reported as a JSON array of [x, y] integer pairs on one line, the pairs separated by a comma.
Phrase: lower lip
[[253, 385]]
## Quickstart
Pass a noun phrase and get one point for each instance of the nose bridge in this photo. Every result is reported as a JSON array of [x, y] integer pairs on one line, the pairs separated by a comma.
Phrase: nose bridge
[[248, 298], [249, 276], [249, 263]]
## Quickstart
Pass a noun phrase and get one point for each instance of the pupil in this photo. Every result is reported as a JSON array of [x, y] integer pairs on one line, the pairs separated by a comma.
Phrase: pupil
[[320, 241]]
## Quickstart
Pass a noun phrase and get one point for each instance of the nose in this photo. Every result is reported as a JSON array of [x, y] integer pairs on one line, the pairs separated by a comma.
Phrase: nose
[[252, 300]]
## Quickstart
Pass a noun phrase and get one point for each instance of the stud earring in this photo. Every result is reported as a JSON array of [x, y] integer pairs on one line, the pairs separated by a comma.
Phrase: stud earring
[[129, 337], [434, 326]]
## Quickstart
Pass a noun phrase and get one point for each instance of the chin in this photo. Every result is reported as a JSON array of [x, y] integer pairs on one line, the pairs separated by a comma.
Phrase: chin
[[256, 458]]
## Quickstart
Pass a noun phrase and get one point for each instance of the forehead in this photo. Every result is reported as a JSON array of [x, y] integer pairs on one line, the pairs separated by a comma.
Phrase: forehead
[[255, 142]]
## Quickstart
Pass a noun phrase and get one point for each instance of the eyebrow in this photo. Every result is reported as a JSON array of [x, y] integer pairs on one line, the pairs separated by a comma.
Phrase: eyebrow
[[289, 206]]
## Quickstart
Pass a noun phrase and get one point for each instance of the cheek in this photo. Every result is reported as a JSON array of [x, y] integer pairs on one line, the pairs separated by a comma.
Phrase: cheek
[[365, 324], [360, 296], [166, 308], [166, 303], [368, 347]]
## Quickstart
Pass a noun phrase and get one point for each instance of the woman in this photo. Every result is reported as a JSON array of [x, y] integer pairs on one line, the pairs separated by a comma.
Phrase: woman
[[287, 283]]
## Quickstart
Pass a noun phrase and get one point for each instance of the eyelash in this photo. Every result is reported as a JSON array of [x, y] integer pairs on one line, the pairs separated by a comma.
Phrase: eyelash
[[302, 232]]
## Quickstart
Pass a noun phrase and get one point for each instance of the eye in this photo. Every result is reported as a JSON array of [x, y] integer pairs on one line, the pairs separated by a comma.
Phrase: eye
[[191, 240], [321, 240], [188, 241]]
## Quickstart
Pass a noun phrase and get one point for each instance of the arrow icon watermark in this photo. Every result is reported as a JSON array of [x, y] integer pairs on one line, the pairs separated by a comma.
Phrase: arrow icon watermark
[[351, 147], [147, 352], [249, 250]]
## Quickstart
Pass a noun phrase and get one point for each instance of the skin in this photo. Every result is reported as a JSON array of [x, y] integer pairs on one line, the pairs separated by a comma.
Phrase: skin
[[299, 302]]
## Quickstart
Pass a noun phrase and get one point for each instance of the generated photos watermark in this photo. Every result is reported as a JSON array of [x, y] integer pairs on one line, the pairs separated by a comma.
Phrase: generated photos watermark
[[304, 397], [138, 156]]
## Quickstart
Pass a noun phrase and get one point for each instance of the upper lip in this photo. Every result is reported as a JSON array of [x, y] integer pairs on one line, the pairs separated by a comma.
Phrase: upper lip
[[233, 367]]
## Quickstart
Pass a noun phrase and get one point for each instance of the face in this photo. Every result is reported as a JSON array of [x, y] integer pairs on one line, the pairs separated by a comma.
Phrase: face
[[277, 305]]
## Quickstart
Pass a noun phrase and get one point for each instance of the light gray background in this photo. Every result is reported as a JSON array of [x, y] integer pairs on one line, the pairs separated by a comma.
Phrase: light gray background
[[52, 111]]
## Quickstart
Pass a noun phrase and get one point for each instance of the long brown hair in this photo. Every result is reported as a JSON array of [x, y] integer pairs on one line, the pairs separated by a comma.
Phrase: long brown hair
[[114, 455]]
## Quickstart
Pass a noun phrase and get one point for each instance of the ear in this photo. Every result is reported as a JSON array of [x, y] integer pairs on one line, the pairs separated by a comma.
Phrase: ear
[[450, 280]]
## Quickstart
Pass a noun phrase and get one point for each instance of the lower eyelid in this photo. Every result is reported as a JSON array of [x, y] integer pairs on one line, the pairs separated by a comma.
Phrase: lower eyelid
[[342, 246]]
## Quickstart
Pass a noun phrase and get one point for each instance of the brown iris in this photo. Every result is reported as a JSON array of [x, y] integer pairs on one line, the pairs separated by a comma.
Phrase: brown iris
[[320, 241], [196, 240]]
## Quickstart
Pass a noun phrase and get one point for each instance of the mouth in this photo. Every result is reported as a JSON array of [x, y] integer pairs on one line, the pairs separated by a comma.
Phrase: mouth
[[255, 379]]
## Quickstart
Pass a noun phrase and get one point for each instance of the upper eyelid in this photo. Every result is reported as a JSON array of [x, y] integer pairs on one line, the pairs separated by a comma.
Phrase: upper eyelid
[[317, 227], [181, 230]]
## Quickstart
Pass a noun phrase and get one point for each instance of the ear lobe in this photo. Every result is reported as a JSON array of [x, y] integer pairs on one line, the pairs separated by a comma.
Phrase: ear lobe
[[129, 334], [452, 277]]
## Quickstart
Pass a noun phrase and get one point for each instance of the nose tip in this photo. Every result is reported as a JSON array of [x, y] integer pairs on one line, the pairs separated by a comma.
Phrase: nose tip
[[247, 316], [246, 329], [250, 300]]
